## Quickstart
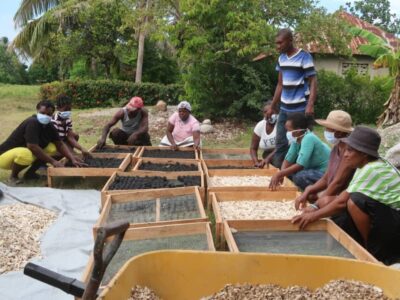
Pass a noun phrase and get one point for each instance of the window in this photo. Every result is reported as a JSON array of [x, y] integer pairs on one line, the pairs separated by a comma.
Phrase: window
[[361, 68]]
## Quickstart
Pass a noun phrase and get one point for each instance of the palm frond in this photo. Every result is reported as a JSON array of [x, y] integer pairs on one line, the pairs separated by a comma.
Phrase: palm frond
[[29, 9]]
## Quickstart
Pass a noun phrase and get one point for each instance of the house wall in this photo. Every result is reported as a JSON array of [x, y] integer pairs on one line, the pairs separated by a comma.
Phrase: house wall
[[338, 64]]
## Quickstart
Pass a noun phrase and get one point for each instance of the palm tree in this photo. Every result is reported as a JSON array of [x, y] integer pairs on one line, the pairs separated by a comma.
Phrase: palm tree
[[385, 56]]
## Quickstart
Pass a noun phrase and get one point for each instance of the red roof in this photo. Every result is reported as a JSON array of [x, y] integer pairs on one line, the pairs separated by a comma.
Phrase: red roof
[[356, 42]]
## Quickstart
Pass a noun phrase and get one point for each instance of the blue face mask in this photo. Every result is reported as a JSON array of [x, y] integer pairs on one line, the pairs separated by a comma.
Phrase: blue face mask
[[65, 114], [330, 137], [43, 119]]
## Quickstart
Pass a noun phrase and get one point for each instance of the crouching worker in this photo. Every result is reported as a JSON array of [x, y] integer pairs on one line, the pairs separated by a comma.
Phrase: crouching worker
[[371, 201], [183, 129], [307, 158], [338, 125], [63, 123], [33, 143], [135, 126]]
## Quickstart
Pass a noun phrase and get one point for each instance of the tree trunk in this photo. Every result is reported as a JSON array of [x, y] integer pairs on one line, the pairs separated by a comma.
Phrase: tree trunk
[[93, 67], [391, 115], [142, 36]]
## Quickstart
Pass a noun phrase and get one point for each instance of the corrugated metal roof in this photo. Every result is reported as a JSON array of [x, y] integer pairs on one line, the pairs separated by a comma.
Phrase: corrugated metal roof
[[355, 42]]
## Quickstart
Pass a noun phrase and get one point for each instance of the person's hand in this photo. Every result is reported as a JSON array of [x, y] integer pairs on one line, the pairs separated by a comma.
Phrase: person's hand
[[86, 154], [304, 219], [301, 201], [309, 110], [308, 209], [267, 161], [78, 163], [101, 143], [276, 180], [132, 139], [175, 147], [57, 164], [271, 111], [259, 164]]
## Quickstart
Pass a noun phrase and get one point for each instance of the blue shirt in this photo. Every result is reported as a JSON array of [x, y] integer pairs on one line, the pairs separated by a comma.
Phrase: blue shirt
[[295, 71]]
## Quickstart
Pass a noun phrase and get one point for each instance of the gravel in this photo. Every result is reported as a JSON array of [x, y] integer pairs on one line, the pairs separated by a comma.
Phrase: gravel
[[143, 293], [257, 210], [21, 227], [168, 167], [153, 182], [99, 163], [333, 290], [161, 153], [239, 181]]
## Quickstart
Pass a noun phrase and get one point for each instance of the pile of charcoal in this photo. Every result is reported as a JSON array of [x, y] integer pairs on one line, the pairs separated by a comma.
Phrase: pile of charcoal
[[99, 163], [167, 153], [230, 167], [168, 167], [153, 182], [115, 150]]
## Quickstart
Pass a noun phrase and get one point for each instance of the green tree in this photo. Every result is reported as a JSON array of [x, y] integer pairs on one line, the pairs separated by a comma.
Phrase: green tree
[[11, 69], [386, 57], [376, 12]]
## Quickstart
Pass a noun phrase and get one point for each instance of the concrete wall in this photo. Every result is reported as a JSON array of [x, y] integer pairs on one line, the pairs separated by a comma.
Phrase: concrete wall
[[336, 64]]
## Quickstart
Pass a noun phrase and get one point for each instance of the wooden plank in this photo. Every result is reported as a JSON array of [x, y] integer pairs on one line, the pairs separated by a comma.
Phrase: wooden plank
[[105, 211], [228, 238], [349, 243], [110, 146], [158, 209]]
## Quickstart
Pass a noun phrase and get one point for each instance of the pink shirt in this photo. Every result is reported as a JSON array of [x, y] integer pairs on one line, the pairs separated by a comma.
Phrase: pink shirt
[[183, 130]]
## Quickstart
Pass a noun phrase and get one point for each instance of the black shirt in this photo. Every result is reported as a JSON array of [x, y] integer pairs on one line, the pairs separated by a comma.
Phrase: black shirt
[[30, 131]]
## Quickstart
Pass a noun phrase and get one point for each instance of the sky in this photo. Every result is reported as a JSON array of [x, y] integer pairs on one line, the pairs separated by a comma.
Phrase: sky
[[9, 7]]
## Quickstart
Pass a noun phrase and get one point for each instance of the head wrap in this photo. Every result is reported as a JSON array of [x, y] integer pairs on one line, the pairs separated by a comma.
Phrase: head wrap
[[185, 104]]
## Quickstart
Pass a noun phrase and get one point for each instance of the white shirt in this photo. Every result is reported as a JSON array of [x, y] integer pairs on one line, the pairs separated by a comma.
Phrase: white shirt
[[267, 141]]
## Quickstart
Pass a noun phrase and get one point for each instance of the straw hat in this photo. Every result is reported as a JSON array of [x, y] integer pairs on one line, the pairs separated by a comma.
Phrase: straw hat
[[337, 120], [365, 140]]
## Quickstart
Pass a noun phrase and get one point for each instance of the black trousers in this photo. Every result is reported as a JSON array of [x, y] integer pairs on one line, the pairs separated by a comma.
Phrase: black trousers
[[120, 137]]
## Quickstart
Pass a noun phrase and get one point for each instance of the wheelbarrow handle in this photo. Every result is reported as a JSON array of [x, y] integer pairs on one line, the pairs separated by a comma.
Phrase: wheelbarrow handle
[[69, 285], [103, 254]]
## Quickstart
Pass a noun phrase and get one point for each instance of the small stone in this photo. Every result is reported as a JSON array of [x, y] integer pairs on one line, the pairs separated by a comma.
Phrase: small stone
[[161, 105], [393, 155], [206, 128]]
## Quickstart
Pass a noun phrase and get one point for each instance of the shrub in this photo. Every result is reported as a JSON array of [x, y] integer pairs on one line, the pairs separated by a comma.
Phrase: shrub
[[360, 96], [102, 93]]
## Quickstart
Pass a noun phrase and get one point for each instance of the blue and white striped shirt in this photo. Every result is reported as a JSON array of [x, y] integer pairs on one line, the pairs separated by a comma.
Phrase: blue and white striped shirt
[[295, 71]]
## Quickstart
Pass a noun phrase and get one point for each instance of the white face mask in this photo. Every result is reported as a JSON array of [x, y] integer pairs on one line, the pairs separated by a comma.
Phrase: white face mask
[[291, 139], [273, 119], [43, 119], [330, 137]]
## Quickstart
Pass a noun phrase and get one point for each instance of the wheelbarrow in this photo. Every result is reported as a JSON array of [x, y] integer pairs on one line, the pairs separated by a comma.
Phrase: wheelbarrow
[[102, 257], [180, 275]]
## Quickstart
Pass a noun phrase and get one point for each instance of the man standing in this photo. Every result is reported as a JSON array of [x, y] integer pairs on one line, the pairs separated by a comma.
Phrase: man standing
[[135, 126], [296, 89]]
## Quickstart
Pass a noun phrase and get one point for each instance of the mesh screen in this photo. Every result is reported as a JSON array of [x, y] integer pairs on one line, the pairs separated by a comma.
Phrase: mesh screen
[[128, 249], [239, 156], [179, 207], [134, 212], [171, 208], [309, 243]]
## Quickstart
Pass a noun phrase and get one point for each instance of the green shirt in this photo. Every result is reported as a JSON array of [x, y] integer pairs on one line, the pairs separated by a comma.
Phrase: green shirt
[[311, 153], [377, 180]]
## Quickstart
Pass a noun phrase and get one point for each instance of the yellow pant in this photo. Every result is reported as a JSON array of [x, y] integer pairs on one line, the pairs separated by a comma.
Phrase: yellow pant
[[22, 156]]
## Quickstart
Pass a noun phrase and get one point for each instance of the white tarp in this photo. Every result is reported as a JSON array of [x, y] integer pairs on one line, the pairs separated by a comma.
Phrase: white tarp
[[65, 246]]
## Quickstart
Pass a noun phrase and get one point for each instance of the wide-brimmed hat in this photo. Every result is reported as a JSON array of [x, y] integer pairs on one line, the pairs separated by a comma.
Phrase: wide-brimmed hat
[[364, 139], [337, 120]]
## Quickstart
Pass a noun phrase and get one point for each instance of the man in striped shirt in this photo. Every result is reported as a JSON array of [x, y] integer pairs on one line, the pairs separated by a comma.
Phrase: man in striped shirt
[[296, 90], [372, 198]]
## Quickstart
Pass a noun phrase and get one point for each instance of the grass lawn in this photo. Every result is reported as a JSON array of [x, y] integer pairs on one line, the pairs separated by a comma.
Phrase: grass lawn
[[17, 102]]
